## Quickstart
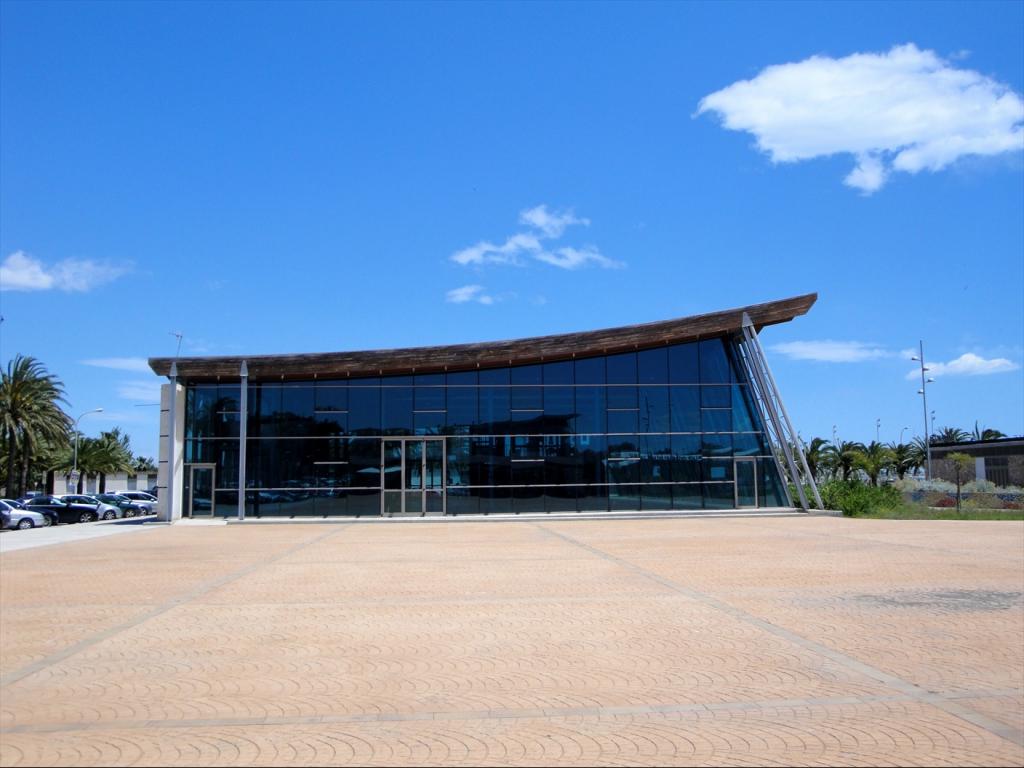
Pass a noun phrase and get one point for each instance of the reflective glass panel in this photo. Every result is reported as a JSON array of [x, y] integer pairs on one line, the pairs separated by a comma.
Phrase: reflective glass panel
[[364, 407], [429, 399], [621, 368], [559, 410], [332, 396], [622, 421], [654, 409], [558, 373], [622, 397], [652, 366], [396, 410], [685, 409], [683, 364], [590, 370], [462, 409], [716, 396], [714, 363], [527, 375], [590, 410]]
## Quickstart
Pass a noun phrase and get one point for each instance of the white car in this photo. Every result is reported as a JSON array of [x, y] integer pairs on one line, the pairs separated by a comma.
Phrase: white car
[[18, 518]]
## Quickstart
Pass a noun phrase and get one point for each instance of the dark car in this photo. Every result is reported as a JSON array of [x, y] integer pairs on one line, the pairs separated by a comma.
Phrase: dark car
[[63, 511]]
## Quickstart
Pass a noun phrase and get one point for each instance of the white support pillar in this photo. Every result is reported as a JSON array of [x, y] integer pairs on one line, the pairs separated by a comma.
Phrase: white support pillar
[[170, 471]]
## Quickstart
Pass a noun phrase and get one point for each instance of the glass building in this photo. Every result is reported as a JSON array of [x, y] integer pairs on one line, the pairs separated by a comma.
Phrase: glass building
[[662, 416]]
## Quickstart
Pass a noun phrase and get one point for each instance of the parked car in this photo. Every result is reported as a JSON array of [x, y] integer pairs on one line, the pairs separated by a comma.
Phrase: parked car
[[104, 511], [71, 508], [20, 519], [141, 498], [128, 507]]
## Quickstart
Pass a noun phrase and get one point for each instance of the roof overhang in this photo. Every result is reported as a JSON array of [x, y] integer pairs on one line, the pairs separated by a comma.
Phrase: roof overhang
[[490, 354]]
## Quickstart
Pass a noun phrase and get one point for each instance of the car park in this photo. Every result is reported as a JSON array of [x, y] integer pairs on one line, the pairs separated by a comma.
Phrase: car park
[[128, 507], [70, 508], [20, 518]]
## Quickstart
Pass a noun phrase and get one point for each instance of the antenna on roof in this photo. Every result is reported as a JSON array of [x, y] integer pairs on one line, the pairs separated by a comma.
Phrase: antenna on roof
[[179, 335]]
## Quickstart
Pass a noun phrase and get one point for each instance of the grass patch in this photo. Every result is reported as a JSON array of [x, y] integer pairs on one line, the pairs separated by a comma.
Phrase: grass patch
[[857, 499], [921, 512]]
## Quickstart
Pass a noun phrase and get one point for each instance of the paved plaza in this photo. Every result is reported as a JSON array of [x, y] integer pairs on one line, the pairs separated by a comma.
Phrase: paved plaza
[[727, 641]]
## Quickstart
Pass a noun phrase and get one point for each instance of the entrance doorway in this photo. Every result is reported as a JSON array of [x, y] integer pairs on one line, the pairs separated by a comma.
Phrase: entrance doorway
[[745, 472], [413, 476], [200, 499]]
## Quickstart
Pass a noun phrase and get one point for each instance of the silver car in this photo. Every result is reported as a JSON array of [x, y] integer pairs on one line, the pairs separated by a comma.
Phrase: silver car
[[103, 511], [19, 518], [143, 499]]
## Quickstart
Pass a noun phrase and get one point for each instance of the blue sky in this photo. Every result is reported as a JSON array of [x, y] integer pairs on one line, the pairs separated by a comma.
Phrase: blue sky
[[285, 177]]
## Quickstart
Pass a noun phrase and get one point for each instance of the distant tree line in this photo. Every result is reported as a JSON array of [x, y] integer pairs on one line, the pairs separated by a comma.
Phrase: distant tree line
[[844, 460]]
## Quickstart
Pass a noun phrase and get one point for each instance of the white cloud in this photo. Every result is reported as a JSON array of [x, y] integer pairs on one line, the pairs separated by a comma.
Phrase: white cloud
[[133, 364], [147, 391], [553, 225], [828, 351], [968, 364], [488, 253], [21, 272], [545, 225], [574, 258], [468, 293], [906, 110]]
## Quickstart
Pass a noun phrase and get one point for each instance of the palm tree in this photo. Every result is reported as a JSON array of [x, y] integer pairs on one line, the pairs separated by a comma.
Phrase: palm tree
[[30, 415], [839, 457], [143, 465], [950, 435], [961, 462], [986, 434], [904, 458], [918, 453], [815, 455], [103, 455], [872, 459]]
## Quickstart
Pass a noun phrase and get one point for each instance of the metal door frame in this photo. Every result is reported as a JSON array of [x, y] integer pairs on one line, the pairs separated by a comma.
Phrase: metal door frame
[[403, 439], [192, 488], [737, 460]]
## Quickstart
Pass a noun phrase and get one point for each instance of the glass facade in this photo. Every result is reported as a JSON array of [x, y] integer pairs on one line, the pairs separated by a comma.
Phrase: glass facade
[[660, 429]]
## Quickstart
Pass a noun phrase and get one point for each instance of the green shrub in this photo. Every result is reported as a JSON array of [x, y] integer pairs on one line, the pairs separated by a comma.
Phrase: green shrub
[[855, 498], [983, 501]]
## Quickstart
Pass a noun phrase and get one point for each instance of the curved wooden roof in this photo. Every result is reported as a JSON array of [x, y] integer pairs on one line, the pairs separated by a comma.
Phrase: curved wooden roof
[[489, 354]]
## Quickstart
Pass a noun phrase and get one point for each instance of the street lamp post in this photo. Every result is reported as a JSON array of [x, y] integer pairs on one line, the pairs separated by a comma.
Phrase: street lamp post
[[74, 471], [901, 434], [878, 429], [923, 392]]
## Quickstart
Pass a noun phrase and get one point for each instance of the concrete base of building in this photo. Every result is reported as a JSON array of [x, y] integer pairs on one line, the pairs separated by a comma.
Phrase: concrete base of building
[[526, 517]]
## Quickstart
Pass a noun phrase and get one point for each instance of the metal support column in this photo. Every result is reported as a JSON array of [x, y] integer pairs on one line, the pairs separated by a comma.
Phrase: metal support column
[[776, 411], [243, 428]]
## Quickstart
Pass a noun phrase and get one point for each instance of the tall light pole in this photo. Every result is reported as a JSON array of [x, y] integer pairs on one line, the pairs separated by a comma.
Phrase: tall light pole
[[901, 434], [923, 392], [74, 472], [878, 429]]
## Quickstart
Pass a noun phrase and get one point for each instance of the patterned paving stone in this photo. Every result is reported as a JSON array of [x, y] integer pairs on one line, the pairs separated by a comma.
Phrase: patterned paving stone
[[794, 641]]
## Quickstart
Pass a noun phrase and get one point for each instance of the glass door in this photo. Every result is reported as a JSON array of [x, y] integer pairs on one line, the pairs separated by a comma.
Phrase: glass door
[[201, 502], [746, 483], [412, 476]]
